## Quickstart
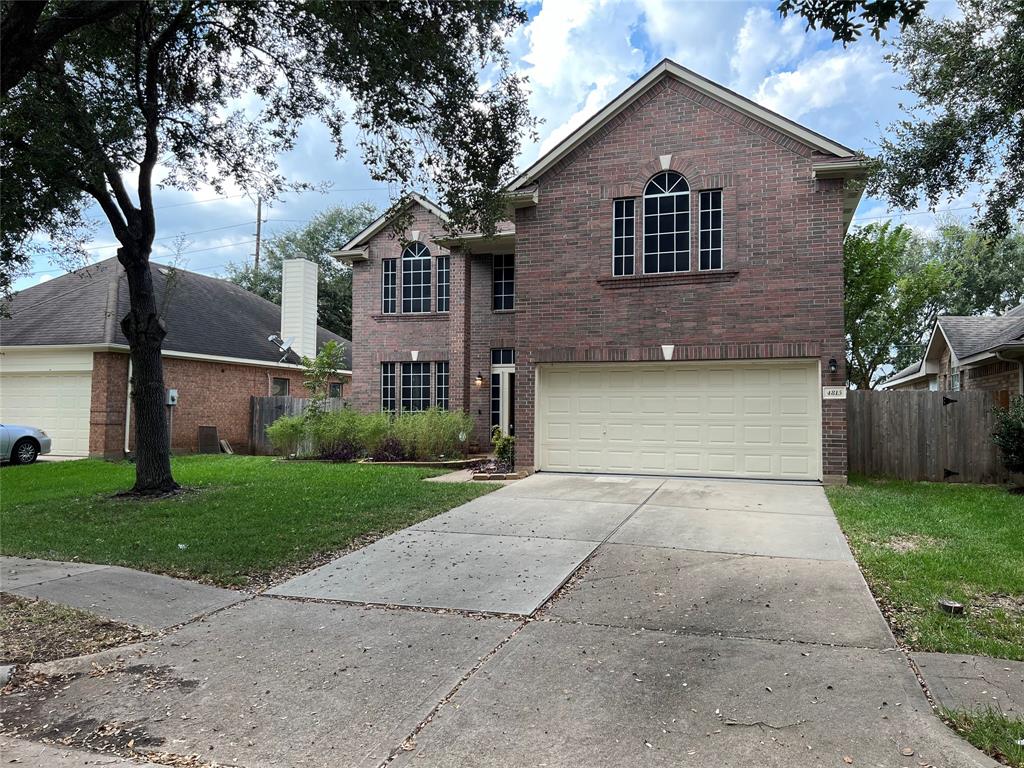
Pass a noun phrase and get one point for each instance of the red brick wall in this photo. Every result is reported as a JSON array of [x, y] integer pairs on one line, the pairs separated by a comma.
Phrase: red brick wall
[[381, 338], [209, 394], [998, 376], [781, 294]]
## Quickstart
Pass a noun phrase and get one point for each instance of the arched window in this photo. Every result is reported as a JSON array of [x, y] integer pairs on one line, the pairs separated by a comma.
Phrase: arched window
[[416, 278], [667, 223]]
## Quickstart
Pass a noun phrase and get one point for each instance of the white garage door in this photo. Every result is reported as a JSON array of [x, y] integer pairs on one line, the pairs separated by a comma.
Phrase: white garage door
[[719, 419], [57, 403]]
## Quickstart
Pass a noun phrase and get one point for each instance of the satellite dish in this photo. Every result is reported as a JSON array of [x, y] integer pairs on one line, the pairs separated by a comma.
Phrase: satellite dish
[[287, 343], [284, 346]]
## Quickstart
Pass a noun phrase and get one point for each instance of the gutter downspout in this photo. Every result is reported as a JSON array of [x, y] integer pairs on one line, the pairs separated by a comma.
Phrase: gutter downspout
[[1020, 366], [128, 408]]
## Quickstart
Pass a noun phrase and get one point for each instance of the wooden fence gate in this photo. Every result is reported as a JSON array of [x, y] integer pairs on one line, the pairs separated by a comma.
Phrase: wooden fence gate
[[924, 435], [266, 410]]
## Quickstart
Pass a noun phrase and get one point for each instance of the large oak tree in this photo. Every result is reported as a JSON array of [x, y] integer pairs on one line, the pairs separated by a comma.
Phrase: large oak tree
[[100, 103]]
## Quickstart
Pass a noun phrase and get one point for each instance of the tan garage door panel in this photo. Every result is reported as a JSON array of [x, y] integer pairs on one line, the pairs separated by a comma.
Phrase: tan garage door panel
[[57, 403], [742, 419]]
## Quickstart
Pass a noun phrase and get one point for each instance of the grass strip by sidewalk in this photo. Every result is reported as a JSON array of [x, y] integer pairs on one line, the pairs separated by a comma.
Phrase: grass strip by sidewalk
[[919, 542], [246, 517], [992, 732]]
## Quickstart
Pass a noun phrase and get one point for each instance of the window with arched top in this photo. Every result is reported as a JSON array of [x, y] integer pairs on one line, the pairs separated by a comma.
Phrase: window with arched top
[[416, 278], [666, 223]]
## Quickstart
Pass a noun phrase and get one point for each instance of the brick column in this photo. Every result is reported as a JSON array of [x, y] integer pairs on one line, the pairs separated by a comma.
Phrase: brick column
[[459, 331]]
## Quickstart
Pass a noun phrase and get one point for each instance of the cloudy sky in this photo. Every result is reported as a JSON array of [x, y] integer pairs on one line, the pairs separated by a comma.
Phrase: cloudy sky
[[578, 55]]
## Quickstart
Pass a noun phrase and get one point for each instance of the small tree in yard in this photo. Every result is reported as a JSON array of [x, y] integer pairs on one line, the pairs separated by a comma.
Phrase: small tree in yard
[[1009, 436], [104, 100], [319, 373]]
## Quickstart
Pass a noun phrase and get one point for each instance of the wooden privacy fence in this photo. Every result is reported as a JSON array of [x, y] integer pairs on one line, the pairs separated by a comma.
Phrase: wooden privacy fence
[[266, 410], [923, 435]]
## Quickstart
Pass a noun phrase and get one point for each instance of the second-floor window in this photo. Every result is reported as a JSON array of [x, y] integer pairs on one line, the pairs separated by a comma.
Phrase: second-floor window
[[416, 278], [711, 229], [443, 282], [389, 286], [504, 281], [623, 236], [666, 224]]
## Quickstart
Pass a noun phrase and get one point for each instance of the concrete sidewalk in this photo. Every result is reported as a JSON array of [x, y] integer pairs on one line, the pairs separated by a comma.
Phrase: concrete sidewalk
[[134, 597]]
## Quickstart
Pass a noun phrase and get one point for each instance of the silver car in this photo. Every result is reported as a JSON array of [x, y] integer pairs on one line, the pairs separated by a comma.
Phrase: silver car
[[22, 445]]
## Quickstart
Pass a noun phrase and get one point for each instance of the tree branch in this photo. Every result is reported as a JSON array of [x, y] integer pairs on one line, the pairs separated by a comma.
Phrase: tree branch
[[25, 42]]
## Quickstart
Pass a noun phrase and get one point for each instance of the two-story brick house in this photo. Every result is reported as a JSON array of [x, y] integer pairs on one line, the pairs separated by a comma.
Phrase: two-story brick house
[[667, 296]]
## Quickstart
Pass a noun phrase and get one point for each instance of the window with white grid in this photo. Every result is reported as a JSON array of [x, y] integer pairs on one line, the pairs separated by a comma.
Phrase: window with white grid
[[623, 236], [387, 387], [415, 387], [666, 224], [389, 286], [416, 278], [443, 282], [441, 385], [711, 229]]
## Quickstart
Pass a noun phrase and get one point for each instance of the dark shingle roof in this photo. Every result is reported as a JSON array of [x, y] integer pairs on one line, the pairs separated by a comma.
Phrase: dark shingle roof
[[910, 370], [204, 315], [969, 335]]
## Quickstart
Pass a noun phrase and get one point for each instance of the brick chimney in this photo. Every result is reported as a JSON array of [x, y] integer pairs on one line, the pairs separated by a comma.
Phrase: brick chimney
[[298, 305]]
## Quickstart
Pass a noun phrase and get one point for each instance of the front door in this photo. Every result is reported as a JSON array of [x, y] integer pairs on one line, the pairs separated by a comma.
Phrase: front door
[[503, 391]]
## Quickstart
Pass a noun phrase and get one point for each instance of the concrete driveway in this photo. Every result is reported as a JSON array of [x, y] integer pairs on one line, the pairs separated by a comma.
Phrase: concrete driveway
[[711, 623]]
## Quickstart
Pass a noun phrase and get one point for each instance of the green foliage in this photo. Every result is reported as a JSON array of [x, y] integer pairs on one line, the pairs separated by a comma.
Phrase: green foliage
[[328, 231], [1009, 434], [504, 448], [892, 291], [846, 19], [319, 373], [986, 272], [286, 434], [997, 735], [348, 434], [965, 129]]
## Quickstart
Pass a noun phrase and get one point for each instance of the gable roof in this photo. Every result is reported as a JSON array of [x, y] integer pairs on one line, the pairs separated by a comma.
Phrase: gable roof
[[381, 221], [204, 315], [970, 335], [668, 68]]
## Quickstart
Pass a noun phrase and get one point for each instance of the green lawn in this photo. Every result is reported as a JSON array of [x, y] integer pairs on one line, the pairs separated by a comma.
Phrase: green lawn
[[919, 542], [992, 733], [247, 516]]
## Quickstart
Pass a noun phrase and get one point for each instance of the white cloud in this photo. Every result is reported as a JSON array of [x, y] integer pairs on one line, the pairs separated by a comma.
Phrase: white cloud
[[764, 43], [828, 79]]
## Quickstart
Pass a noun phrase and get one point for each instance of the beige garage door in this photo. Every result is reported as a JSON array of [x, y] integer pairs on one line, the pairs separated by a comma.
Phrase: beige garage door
[[719, 419], [57, 403]]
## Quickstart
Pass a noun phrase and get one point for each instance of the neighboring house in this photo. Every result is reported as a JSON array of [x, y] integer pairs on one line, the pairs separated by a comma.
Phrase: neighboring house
[[64, 362], [667, 299], [985, 353]]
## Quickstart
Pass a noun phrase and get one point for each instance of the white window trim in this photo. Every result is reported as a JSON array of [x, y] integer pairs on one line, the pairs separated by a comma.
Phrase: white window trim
[[430, 283], [383, 286]]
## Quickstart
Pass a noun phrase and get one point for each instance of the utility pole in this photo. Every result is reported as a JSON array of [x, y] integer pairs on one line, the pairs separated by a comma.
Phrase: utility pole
[[259, 222]]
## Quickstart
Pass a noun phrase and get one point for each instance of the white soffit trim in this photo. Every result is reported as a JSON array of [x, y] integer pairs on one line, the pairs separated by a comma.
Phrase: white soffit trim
[[381, 221], [714, 90]]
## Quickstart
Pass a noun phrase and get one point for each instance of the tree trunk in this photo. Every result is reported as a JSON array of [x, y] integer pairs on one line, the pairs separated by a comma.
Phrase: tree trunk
[[145, 331]]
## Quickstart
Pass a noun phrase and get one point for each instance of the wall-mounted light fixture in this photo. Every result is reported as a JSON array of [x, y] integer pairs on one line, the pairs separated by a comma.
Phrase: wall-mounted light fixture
[[833, 366], [479, 380]]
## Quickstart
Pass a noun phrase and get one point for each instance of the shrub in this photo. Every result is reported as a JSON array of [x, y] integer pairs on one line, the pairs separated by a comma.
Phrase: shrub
[[1009, 434], [373, 432], [336, 432], [389, 450], [504, 450], [347, 434], [286, 434]]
